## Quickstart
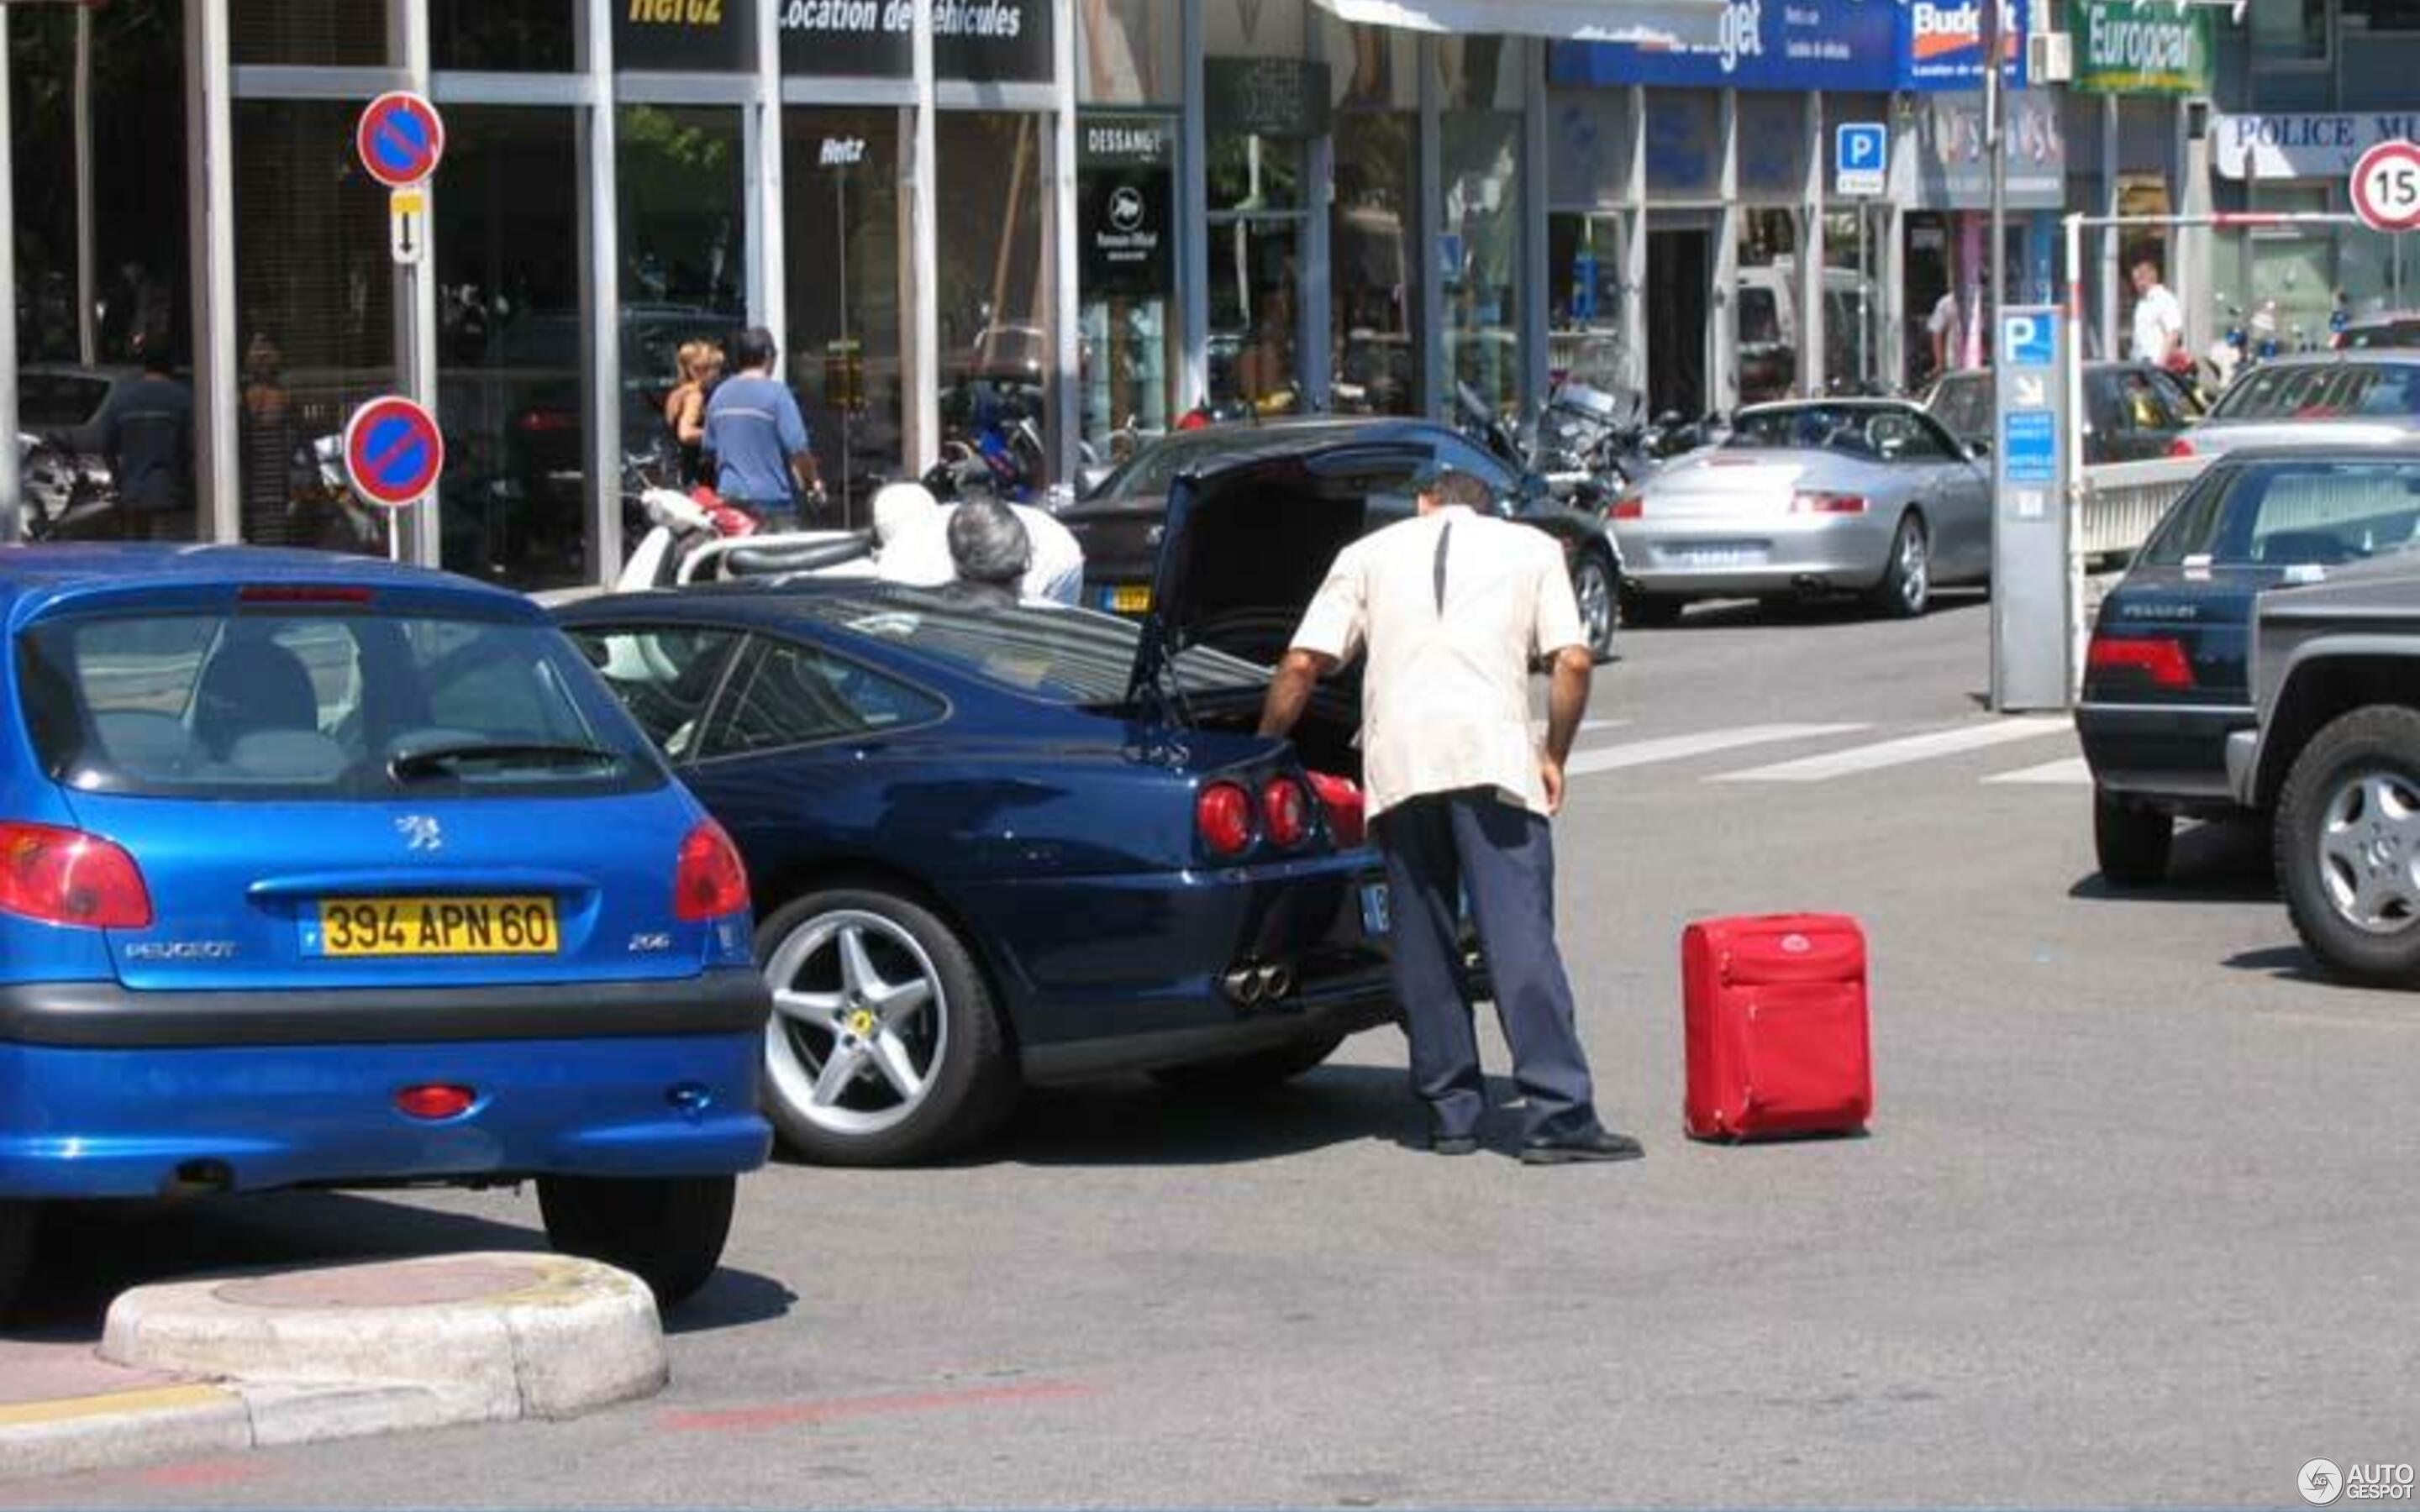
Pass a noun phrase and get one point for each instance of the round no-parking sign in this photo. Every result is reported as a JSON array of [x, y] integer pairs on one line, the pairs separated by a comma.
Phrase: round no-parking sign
[[401, 138], [2386, 187], [392, 452]]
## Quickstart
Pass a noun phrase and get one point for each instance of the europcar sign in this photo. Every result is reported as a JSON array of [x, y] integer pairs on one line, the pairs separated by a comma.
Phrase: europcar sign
[[2140, 47]]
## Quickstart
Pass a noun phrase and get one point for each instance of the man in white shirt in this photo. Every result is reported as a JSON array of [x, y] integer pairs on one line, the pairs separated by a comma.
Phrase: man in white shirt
[[1452, 607], [2159, 320]]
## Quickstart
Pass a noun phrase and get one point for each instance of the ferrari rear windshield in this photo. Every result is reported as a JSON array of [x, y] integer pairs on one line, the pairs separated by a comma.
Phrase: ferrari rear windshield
[[1067, 656]]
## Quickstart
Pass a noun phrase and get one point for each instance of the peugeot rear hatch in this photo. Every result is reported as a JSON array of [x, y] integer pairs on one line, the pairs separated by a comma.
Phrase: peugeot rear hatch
[[330, 786]]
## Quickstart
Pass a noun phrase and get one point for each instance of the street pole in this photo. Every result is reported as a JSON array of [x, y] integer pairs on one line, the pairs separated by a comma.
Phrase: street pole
[[1995, 143]]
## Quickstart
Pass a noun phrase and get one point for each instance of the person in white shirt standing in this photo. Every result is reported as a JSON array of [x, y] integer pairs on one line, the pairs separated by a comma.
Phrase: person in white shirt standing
[[1452, 607], [2159, 320]]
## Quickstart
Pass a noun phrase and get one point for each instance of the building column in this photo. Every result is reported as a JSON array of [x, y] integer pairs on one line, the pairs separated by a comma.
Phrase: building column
[[12, 494], [2110, 274], [924, 355], [1633, 244], [1193, 217], [1436, 372], [209, 218], [767, 243], [1812, 376], [1536, 195], [600, 292], [1066, 297], [1722, 369]]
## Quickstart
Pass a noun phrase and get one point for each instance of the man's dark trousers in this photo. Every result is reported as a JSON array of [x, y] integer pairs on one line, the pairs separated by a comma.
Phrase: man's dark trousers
[[1438, 847]]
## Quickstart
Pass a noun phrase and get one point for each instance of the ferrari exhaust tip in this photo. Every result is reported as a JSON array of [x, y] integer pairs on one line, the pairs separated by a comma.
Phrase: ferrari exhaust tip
[[1277, 980], [1243, 984]]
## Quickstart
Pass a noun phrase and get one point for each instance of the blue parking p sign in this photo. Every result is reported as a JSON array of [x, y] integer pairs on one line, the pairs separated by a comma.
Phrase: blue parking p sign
[[1861, 158], [2025, 337]]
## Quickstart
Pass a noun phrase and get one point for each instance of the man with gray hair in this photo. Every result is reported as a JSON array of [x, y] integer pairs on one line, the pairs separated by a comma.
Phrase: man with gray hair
[[989, 545]]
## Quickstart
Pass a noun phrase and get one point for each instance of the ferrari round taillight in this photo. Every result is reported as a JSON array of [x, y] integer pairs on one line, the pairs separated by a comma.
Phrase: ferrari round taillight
[[710, 881], [1285, 812], [66, 876], [2180, 447], [1224, 815]]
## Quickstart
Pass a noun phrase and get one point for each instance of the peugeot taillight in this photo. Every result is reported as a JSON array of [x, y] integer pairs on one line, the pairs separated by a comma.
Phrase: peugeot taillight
[[2180, 447], [711, 880], [1629, 506], [1285, 812], [1223, 816], [2160, 659], [66, 876]]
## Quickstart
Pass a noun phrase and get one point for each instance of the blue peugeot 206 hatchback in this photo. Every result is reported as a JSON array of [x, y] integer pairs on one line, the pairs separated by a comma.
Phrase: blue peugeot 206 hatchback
[[316, 872]]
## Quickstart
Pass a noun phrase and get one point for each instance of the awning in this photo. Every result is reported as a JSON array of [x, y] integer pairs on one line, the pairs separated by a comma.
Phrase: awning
[[1670, 22]]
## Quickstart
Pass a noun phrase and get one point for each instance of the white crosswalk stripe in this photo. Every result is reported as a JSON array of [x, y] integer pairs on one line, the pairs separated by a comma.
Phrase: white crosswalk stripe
[[1681, 748], [2066, 772], [1902, 751]]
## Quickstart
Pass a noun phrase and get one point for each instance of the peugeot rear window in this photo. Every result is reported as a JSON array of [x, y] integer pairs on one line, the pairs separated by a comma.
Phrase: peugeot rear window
[[2325, 391], [311, 703], [1067, 656], [2292, 514]]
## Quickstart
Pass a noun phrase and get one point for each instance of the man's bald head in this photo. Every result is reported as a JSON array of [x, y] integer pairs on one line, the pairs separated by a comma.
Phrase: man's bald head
[[1451, 486]]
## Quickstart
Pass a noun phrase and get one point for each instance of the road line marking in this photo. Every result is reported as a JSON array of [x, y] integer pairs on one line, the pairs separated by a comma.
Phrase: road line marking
[[1587, 727], [1902, 751], [1706, 742], [2065, 772]]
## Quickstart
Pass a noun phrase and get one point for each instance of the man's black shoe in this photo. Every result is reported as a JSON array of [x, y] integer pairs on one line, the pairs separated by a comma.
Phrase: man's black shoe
[[1601, 1145], [1453, 1144]]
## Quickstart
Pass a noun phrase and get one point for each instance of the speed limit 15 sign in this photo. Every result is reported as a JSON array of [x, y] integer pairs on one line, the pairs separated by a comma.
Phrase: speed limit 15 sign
[[2386, 187]]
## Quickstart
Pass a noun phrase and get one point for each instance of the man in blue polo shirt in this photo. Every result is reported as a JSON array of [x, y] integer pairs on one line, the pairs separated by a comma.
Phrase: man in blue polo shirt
[[758, 439]]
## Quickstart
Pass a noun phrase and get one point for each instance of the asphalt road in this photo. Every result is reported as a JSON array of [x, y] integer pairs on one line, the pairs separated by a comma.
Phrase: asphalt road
[[2134, 1224]]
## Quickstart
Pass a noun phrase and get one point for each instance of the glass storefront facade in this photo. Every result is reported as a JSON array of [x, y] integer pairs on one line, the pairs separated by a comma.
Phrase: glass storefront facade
[[1134, 209]]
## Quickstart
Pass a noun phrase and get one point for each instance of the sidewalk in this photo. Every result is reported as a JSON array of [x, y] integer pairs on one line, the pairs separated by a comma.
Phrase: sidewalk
[[258, 1359]]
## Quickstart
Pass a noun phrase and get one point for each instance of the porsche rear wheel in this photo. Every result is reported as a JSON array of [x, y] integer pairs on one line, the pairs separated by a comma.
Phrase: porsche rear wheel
[[1905, 590], [1594, 590], [884, 1047]]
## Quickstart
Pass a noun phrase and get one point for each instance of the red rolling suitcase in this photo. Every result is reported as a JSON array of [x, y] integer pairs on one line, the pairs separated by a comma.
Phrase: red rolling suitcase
[[1775, 1015]]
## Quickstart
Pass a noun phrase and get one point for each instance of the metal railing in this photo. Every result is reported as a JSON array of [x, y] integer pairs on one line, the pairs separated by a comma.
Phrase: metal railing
[[2121, 502]]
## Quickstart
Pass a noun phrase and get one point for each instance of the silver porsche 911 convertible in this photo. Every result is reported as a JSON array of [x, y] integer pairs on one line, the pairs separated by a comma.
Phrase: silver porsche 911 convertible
[[1867, 496]]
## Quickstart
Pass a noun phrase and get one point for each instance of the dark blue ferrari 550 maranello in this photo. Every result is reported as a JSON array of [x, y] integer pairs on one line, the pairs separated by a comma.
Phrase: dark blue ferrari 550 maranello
[[992, 846]]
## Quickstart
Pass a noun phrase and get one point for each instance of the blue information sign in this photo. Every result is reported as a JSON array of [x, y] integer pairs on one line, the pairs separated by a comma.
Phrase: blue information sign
[[2029, 446], [2026, 338]]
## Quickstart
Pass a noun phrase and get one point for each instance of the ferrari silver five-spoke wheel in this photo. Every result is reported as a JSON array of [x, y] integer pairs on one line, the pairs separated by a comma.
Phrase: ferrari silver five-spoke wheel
[[883, 1046]]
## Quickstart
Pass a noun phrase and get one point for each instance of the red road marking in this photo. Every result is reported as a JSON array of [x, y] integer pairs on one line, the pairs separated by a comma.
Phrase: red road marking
[[785, 1414]]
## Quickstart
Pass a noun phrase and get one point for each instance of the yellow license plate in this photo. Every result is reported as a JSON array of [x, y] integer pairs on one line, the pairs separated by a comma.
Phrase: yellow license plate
[[1134, 598], [438, 926]]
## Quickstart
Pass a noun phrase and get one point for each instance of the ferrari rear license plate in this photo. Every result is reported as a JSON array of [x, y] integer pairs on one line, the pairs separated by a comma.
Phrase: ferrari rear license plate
[[433, 926], [1375, 918], [1129, 598]]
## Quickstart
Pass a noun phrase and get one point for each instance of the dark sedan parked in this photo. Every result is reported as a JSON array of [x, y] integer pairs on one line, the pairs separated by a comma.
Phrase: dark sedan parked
[[2133, 411], [1006, 845], [2164, 681], [1369, 465]]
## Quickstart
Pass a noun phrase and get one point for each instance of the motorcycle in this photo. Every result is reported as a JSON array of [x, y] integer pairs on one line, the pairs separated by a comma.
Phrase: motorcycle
[[696, 537], [68, 497]]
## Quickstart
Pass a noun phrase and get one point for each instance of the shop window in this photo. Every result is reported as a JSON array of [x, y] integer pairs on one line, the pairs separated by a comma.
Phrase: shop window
[[1773, 143], [314, 319], [1375, 264], [1127, 52], [1853, 355], [1374, 68], [999, 349], [1769, 310], [509, 327], [1583, 261], [504, 35], [1250, 28], [1256, 236], [841, 242], [684, 230], [1482, 72], [1480, 252], [2381, 15], [1684, 143], [2288, 30], [328, 33]]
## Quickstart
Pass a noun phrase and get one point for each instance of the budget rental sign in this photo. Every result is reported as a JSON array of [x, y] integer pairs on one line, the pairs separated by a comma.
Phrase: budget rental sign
[[1944, 44], [2140, 47]]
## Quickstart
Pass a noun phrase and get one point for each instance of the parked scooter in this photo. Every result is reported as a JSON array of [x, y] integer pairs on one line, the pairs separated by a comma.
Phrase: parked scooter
[[696, 537], [67, 497]]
